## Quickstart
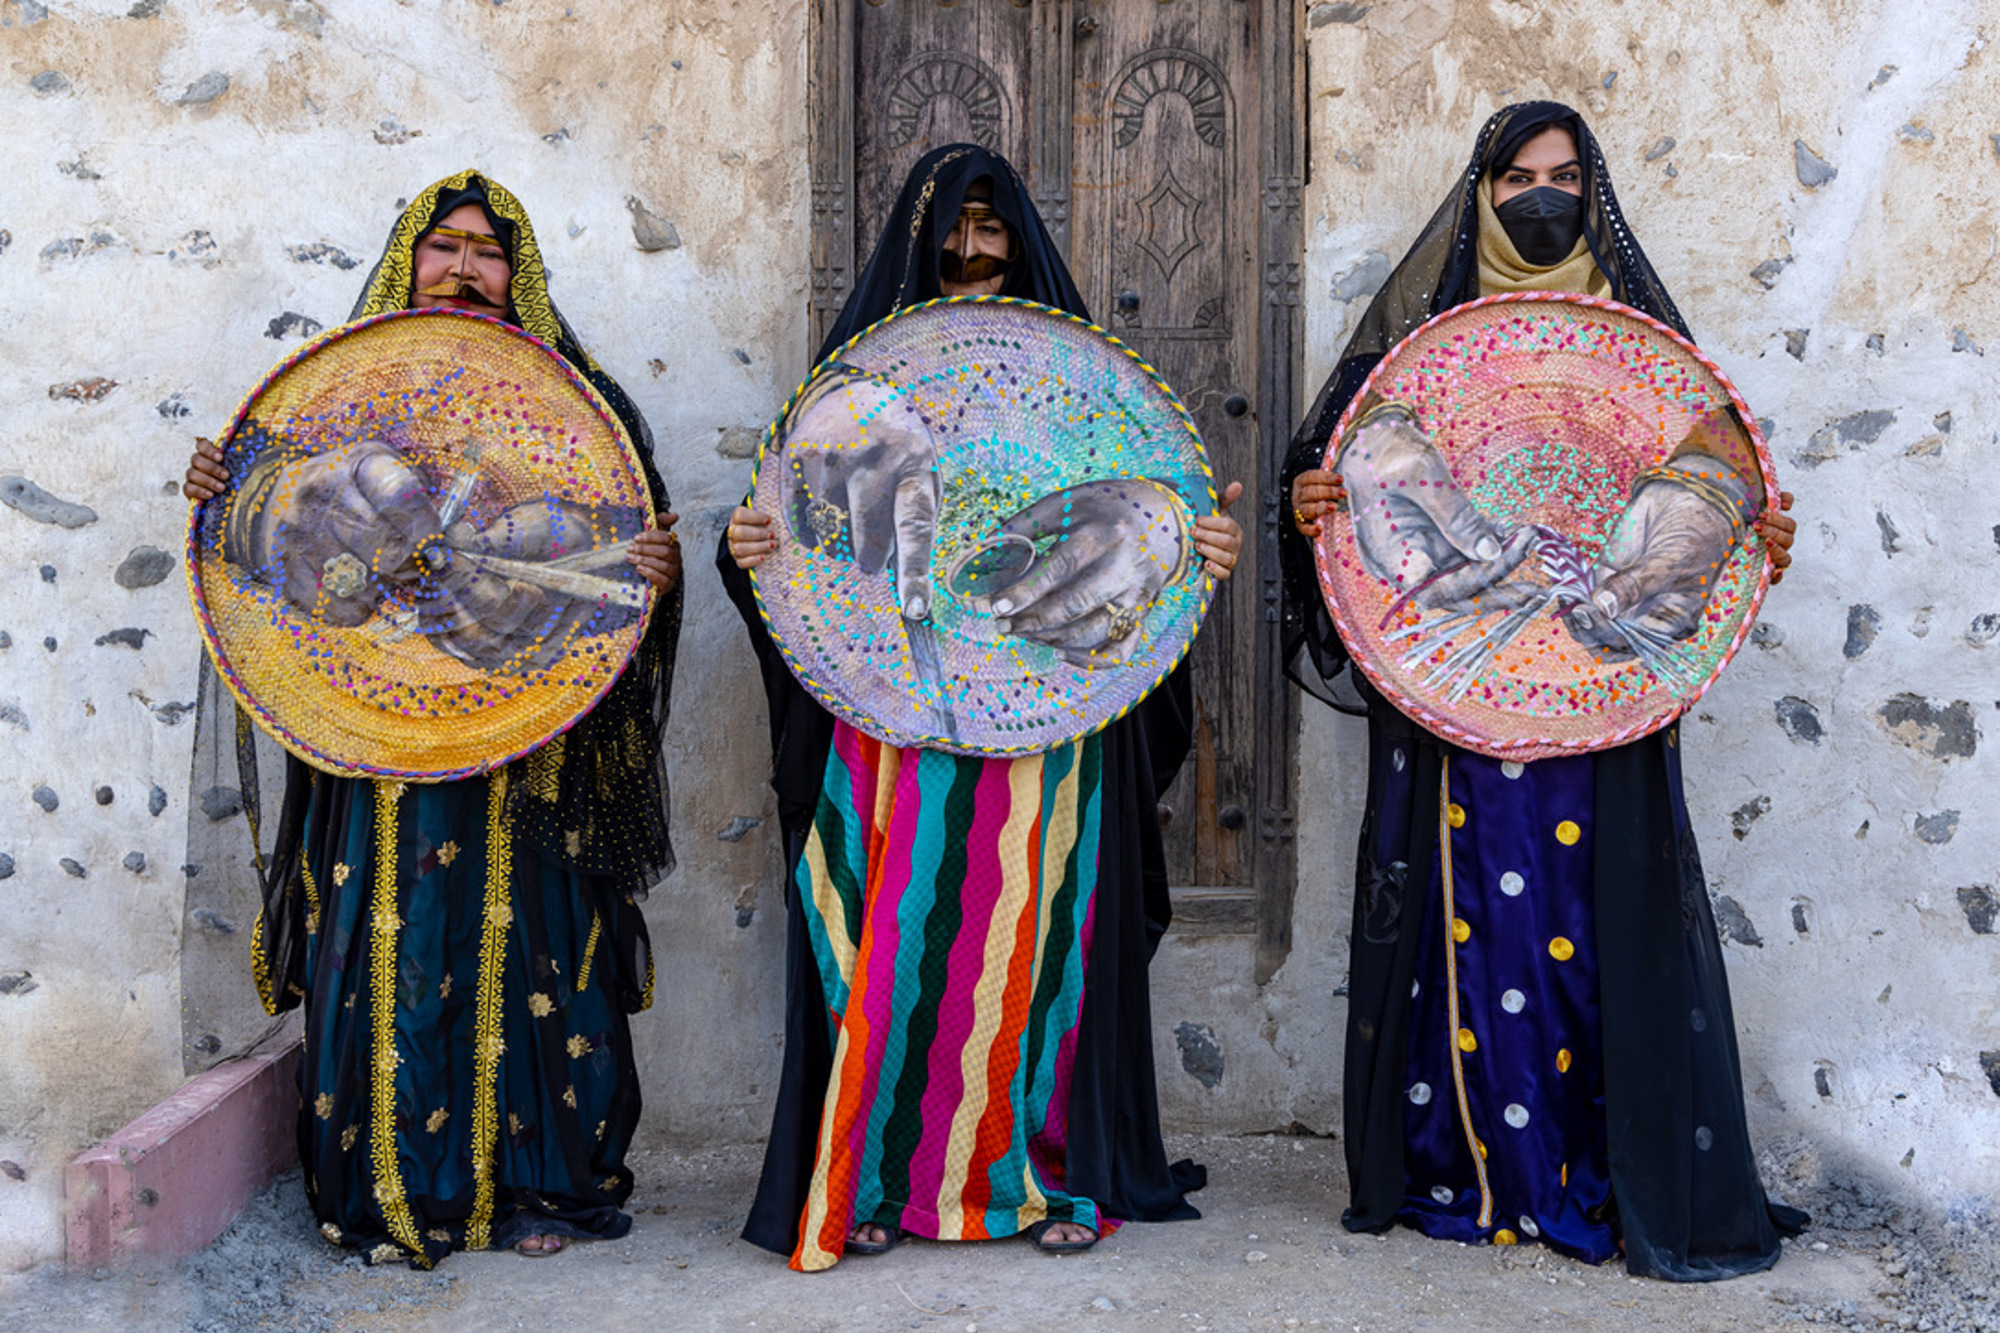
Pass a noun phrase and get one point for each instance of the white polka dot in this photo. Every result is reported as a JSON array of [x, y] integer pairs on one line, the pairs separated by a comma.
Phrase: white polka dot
[[1704, 1137], [1396, 760], [1420, 1094], [1441, 1193], [1511, 884], [1528, 1227], [1516, 1115], [1510, 769], [1513, 1001]]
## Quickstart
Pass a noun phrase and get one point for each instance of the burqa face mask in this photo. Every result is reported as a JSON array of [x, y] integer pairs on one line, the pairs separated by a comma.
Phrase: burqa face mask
[[1543, 223]]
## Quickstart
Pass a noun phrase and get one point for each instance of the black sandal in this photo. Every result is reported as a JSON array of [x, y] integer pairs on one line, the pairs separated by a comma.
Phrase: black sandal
[[893, 1237], [1038, 1233]]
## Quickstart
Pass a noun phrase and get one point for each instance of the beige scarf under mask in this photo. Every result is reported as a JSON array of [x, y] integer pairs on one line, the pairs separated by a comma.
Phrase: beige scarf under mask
[[1501, 268]]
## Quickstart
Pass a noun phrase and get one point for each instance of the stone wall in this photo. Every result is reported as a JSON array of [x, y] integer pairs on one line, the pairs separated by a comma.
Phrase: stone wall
[[200, 185], [196, 187]]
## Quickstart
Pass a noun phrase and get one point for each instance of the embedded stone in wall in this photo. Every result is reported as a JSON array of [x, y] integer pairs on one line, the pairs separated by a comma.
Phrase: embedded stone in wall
[[156, 800], [204, 90], [1947, 731], [1799, 719], [124, 638], [1767, 636], [49, 83], [321, 252], [1813, 170], [46, 798], [1982, 629], [219, 803], [650, 231], [739, 442], [73, 868], [144, 567], [1886, 528], [135, 862], [1980, 907], [736, 828], [14, 716], [1795, 343], [6, 866], [1765, 275], [1863, 624], [104, 795], [292, 322], [1735, 923], [1849, 434], [18, 983], [1363, 279], [1201, 1054], [1747, 814], [1937, 829], [211, 920], [23, 496]]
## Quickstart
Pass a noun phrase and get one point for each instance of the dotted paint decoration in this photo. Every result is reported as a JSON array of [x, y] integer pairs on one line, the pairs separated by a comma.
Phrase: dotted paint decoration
[[1547, 548], [984, 511], [418, 570]]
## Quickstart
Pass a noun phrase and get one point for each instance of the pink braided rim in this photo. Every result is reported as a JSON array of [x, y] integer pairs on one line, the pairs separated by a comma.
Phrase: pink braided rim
[[1537, 747]]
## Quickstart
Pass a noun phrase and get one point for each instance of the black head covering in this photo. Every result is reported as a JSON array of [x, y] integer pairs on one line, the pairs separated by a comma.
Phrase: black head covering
[[1441, 271], [594, 798], [904, 268]]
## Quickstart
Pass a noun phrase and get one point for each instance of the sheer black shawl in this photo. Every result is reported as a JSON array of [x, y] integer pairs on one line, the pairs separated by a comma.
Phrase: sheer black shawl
[[1115, 1152]]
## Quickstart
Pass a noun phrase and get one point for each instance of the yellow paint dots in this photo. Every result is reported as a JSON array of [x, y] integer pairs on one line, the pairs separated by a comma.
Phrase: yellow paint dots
[[1567, 833], [1460, 931], [1504, 1237], [1561, 949], [1466, 1041], [1562, 1060], [1454, 815]]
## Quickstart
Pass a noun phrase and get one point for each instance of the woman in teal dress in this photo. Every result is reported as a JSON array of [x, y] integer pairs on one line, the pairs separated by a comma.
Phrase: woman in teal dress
[[468, 953]]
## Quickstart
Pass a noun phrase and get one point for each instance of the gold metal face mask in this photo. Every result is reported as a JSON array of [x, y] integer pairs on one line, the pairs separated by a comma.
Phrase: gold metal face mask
[[955, 267]]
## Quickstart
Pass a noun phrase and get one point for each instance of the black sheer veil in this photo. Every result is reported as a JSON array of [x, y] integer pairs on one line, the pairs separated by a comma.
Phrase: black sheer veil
[[1440, 271]]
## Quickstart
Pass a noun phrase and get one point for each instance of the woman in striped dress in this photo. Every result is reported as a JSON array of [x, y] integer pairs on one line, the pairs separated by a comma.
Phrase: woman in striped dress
[[968, 1038]]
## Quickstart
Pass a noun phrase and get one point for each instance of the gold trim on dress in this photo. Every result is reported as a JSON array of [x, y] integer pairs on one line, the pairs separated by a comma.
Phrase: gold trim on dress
[[1459, 1035], [589, 952], [487, 1041], [384, 929]]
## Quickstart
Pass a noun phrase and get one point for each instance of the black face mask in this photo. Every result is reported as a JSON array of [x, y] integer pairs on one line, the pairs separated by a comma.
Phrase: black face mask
[[1543, 223]]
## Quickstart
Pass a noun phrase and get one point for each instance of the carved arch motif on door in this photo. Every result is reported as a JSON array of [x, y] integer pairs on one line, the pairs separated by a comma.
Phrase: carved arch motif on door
[[955, 77], [1170, 71]]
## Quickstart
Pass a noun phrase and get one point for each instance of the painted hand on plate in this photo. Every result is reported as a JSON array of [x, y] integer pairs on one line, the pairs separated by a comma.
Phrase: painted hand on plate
[[1116, 545]]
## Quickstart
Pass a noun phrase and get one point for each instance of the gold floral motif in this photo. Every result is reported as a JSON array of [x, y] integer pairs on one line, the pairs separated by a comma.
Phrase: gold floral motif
[[514, 1124], [439, 1234], [569, 1096], [444, 987], [260, 968], [385, 1253], [447, 853], [340, 874], [323, 1106], [579, 1046], [540, 1005], [611, 1183], [500, 914], [347, 1137], [573, 842], [492, 1046], [437, 1119], [330, 1231], [600, 1129]]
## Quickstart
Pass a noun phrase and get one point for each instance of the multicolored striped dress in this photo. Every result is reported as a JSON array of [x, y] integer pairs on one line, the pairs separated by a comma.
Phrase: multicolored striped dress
[[949, 906]]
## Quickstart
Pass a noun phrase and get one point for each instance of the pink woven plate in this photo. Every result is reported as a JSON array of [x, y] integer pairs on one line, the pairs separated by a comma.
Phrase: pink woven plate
[[1547, 547]]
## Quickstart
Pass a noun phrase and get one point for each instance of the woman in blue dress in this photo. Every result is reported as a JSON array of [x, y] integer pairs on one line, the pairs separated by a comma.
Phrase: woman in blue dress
[[1539, 1038]]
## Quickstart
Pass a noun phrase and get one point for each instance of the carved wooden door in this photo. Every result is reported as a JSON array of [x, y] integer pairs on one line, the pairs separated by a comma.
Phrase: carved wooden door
[[1160, 140]]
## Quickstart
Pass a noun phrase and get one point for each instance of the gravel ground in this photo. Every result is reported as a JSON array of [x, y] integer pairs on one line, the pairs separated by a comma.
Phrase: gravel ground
[[1268, 1254]]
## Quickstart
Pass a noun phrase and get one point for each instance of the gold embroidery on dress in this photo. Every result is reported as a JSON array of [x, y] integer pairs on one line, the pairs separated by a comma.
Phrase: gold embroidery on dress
[[487, 1044], [540, 1005], [437, 1119], [542, 772], [323, 1106], [447, 854], [260, 968], [589, 952], [579, 1046], [382, 1021]]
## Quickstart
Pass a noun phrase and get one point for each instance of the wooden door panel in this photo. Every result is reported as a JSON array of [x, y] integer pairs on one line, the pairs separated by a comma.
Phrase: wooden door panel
[[1165, 242]]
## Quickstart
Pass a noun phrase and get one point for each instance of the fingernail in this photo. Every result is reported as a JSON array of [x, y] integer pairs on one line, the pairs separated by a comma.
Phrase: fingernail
[[1004, 606], [1486, 549], [1004, 626], [915, 609]]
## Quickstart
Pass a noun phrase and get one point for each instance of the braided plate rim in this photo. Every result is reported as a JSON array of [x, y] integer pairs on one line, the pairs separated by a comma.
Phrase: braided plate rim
[[833, 700], [1338, 525], [194, 556]]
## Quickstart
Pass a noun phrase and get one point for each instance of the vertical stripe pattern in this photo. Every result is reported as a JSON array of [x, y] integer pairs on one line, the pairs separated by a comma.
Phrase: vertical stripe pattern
[[949, 908]]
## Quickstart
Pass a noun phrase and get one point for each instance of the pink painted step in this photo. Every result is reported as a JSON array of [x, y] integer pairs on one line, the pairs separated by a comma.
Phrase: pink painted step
[[169, 1182]]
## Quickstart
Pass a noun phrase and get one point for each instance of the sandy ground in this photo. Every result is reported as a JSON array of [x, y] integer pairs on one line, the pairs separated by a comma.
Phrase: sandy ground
[[1268, 1254]]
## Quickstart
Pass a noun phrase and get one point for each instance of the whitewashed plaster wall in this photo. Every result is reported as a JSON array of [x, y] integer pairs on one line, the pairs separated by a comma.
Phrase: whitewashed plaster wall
[[1841, 776], [189, 189]]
